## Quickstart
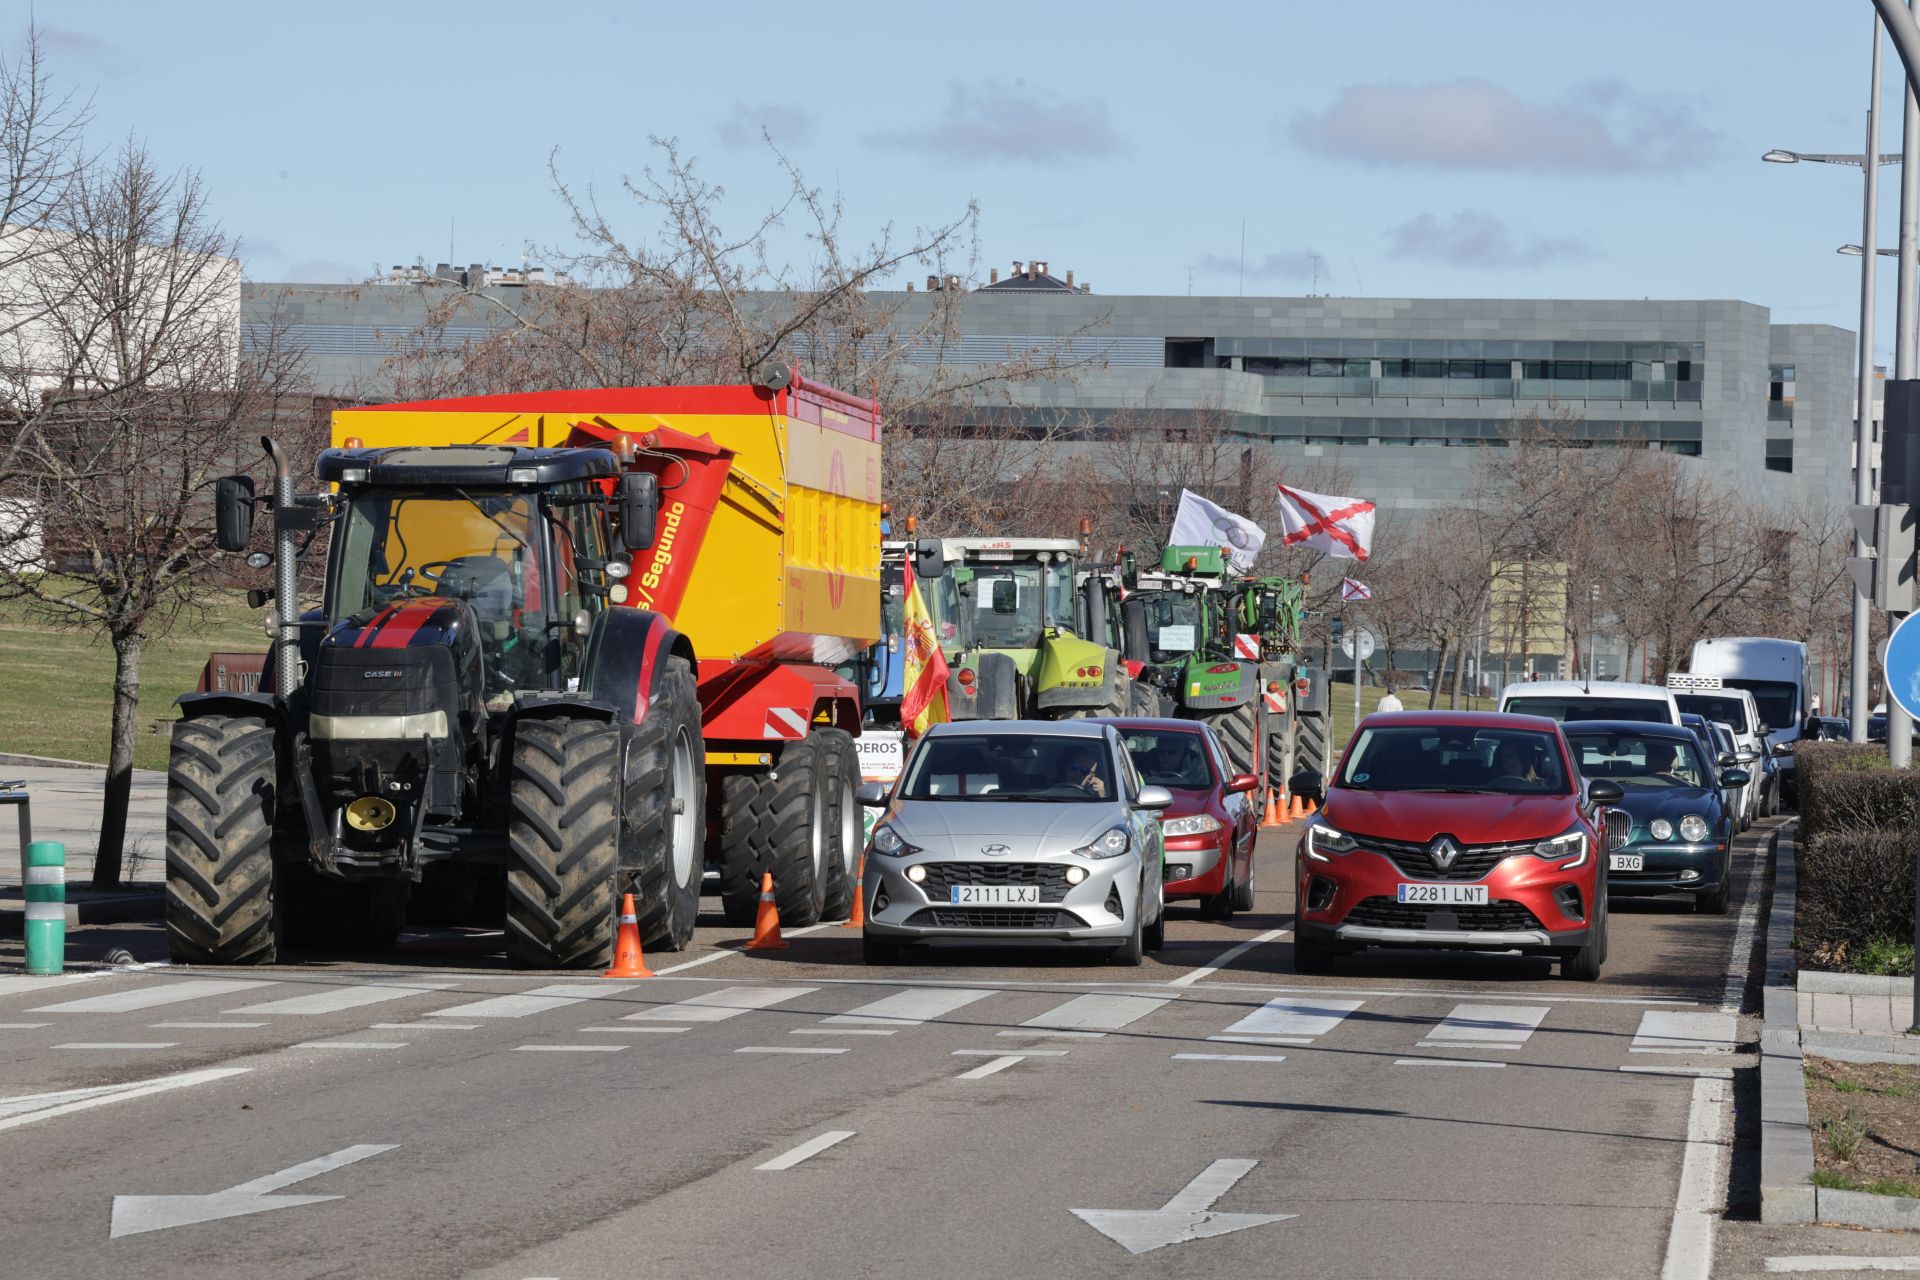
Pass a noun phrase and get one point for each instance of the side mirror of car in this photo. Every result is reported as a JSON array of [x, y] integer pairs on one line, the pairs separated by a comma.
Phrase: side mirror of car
[[1605, 791], [1243, 782], [1727, 758], [1308, 785], [1735, 777], [1619, 829], [233, 512], [872, 795], [639, 494], [1153, 798]]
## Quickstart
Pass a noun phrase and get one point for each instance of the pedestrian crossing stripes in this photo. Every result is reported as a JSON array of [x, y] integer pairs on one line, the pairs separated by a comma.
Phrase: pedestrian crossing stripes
[[1486, 1026], [1098, 1013], [539, 1000], [908, 1008], [340, 999], [148, 997], [1298, 1019], [718, 1006], [1668, 1031]]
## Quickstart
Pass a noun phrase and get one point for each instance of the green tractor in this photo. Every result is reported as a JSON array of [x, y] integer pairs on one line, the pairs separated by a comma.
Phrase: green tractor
[[1219, 649], [1008, 613]]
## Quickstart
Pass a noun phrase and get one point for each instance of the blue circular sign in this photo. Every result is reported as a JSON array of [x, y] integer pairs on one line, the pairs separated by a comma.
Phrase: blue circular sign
[[1902, 666]]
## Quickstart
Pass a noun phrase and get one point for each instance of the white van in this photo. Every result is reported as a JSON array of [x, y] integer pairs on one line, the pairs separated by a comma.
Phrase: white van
[[1591, 700], [1775, 673], [1714, 698]]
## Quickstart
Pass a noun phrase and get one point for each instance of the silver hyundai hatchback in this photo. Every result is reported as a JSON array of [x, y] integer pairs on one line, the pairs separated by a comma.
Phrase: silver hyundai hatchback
[[1016, 830]]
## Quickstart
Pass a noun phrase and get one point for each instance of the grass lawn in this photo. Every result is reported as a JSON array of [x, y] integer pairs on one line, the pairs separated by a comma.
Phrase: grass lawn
[[1341, 696], [57, 686]]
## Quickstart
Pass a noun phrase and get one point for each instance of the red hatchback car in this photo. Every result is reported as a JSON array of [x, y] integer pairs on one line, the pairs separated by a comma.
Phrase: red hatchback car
[[1211, 826], [1455, 830]]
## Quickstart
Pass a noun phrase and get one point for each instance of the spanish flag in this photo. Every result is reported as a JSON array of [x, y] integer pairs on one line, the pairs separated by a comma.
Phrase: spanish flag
[[923, 701]]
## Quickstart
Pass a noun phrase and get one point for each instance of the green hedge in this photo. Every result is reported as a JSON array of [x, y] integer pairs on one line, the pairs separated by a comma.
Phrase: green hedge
[[1859, 828]]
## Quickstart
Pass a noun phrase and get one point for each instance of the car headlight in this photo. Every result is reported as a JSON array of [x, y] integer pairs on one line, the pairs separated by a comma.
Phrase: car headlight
[[1568, 844], [1660, 829], [1324, 838], [1693, 829], [1111, 844], [1197, 824], [891, 844]]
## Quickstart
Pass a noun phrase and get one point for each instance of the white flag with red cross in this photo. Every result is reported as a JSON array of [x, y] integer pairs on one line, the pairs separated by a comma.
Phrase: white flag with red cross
[[1354, 589], [1339, 527]]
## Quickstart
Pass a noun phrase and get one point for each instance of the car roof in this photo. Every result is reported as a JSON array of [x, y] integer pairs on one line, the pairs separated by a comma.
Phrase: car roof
[[1642, 727], [1159, 724], [1461, 719], [1588, 689], [994, 728]]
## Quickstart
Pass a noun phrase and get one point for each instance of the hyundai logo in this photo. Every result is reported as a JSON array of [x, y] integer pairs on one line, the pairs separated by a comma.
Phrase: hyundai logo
[[995, 850], [1443, 852]]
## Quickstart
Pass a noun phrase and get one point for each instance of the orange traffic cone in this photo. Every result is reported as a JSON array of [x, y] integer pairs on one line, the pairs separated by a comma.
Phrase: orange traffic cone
[[1311, 809], [1274, 815], [858, 919], [766, 927], [1297, 810], [628, 962]]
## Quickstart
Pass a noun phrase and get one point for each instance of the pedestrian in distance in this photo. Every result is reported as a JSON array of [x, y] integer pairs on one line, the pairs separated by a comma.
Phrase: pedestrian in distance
[[1390, 701]]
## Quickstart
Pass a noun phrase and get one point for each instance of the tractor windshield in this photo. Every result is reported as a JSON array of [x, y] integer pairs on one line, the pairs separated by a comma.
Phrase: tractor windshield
[[486, 548], [1013, 601], [1174, 625]]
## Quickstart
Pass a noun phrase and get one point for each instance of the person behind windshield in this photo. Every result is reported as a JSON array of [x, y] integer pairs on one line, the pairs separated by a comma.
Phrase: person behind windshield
[[1663, 762], [1083, 771], [1172, 761], [1511, 765]]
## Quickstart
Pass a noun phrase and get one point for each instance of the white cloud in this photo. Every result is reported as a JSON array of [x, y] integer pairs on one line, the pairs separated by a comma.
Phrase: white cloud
[[1476, 238], [789, 124], [1001, 120], [1471, 124]]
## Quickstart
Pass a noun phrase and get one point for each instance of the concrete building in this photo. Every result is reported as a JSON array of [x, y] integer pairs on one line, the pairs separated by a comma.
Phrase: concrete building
[[1408, 398]]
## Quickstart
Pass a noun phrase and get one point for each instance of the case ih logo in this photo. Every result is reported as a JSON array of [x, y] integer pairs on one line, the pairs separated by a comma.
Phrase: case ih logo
[[378, 675]]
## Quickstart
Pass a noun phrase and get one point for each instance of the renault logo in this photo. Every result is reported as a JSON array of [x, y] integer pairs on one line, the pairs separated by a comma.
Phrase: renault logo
[[1443, 852], [995, 850]]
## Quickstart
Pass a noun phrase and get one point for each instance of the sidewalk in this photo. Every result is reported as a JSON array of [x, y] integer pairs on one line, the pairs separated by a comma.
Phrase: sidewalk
[[1857, 1017], [66, 807]]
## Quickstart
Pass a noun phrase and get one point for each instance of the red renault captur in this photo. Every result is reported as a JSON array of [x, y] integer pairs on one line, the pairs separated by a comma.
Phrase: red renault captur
[[1454, 830]]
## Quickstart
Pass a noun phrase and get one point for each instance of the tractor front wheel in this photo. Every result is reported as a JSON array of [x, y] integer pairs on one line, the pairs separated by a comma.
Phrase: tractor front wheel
[[563, 849], [220, 804]]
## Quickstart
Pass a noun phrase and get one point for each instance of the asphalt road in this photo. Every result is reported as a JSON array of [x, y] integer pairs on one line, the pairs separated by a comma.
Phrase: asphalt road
[[432, 1113]]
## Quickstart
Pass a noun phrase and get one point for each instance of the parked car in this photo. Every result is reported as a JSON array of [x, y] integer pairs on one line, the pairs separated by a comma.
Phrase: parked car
[[1833, 728], [1682, 835], [1591, 700], [1724, 756], [1210, 828], [1456, 830], [1775, 673], [1016, 831], [1715, 699]]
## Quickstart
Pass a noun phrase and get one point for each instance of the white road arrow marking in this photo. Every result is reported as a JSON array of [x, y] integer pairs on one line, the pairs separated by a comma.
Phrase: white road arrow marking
[[133, 1215], [1188, 1216]]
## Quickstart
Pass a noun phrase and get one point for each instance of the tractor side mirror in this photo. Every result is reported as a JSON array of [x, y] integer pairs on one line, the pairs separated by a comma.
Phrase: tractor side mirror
[[929, 560], [1308, 785], [233, 512], [639, 495], [1129, 570], [1006, 595]]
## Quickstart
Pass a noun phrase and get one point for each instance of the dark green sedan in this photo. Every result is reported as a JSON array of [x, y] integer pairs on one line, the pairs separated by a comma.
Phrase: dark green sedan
[[1682, 839]]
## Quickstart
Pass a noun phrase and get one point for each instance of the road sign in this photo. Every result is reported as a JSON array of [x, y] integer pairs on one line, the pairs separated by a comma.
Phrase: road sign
[[1188, 1216], [133, 1215], [1901, 666], [1360, 637]]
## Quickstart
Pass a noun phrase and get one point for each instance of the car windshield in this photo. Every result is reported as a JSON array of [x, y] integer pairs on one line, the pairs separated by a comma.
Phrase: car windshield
[[1463, 758], [1055, 768], [1778, 701], [1170, 758], [1646, 761], [1730, 711], [1012, 601], [1576, 707]]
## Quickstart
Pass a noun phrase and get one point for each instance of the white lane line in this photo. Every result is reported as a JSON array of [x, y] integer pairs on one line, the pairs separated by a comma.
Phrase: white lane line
[[734, 951], [790, 1048], [1696, 1206], [31, 1108], [1794, 1264], [1098, 1012], [1730, 995], [340, 999], [23, 1026], [1250, 988], [908, 1008], [1294, 1016], [633, 1031], [1228, 956], [119, 1044], [149, 994], [424, 1026], [718, 1006], [1661, 1031], [1295, 1040], [1229, 1057], [986, 1069], [1486, 1026], [841, 1031], [1043, 1033], [350, 1044], [569, 1048], [14, 984], [182, 1026], [539, 1000], [1443, 1062], [1025, 1053], [805, 1151], [1698, 1073]]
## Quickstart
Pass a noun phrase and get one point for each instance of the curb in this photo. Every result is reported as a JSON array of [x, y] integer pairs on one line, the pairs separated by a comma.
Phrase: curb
[[10, 759], [89, 908], [1787, 1193]]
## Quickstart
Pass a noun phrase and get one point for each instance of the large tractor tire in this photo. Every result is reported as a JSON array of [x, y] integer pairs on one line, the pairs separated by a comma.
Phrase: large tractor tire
[[844, 827], [666, 811], [1146, 700], [563, 846], [1239, 731], [220, 804], [783, 822]]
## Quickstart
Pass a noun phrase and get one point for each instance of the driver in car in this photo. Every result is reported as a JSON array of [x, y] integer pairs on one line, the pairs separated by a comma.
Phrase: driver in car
[[1083, 771], [1663, 762], [1173, 763]]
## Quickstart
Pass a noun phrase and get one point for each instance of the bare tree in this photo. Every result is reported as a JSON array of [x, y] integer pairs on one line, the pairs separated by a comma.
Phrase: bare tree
[[127, 395]]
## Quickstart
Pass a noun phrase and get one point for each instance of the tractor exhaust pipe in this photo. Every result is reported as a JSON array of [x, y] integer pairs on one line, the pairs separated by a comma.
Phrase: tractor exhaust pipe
[[286, 575]]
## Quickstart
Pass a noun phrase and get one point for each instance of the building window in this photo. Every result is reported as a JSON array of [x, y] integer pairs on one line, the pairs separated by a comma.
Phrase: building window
[[1189, 353]]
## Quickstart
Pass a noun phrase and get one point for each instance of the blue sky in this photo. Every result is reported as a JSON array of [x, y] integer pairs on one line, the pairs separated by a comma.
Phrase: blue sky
[[1408, 148]]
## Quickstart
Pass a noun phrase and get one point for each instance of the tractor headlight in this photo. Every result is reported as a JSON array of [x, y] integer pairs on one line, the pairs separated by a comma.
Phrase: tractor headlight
[[1693, 829], [1111, 844]]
